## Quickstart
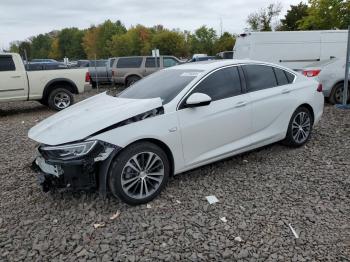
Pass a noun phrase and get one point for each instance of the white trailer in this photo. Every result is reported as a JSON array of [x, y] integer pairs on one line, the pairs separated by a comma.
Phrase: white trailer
[[293, 49]]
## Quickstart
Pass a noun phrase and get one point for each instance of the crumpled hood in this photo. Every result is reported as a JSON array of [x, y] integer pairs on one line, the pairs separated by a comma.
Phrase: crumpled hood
[[87, 117]]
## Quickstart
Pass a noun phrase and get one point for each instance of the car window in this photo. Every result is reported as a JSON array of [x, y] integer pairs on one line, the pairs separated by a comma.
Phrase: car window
[[129, 62], [6, 63], [281, 77], [98, 63], [151, 62], [165, 84], [111, 62], [259, 77], [169, 61], [290, 77], [221, 84]]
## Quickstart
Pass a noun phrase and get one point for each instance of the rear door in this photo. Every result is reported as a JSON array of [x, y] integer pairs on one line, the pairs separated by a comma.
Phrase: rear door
[[271, 94], [13, 80], [151, 65], [128, 66], [221, 127]]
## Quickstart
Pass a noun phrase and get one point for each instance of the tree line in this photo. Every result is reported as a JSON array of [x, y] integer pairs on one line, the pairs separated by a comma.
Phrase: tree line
[[316, 15], [114, 39], [111, 39]]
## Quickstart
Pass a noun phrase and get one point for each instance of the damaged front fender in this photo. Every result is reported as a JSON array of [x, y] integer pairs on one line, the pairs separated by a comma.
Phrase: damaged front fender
[[89, 173]]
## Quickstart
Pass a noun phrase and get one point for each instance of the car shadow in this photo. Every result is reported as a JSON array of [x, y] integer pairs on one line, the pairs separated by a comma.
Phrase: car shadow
[[12, 108], [93, 198]]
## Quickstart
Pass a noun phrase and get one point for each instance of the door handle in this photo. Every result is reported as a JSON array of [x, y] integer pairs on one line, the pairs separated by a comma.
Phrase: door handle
[[15, 76], [285, 91], [241, 104]]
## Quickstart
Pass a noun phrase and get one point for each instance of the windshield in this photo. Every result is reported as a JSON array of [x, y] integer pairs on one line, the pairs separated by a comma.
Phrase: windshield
[[165, 84]]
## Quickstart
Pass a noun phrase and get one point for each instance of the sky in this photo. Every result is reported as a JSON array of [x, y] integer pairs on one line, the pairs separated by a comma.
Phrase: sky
[[21, 19]]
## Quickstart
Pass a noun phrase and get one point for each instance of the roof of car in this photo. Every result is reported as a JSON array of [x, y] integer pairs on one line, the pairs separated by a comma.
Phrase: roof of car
[[213, 64]]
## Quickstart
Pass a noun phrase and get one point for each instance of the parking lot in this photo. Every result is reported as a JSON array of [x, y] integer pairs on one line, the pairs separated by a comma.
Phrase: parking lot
[[260, 193]]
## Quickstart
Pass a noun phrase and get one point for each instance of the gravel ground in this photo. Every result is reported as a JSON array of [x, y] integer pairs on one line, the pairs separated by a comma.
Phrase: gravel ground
[[259, 194]]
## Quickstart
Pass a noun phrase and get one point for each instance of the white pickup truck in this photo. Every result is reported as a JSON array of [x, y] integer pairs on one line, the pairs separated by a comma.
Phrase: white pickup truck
[[53, 88]]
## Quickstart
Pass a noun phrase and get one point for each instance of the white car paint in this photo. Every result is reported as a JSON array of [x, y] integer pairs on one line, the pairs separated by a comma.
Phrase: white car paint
[[195, 136], [330, 73], [77, 118], [292, 49], [29, 85]]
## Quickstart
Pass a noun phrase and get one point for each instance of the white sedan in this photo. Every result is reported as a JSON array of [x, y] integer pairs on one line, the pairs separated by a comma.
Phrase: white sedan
[[172, 121]]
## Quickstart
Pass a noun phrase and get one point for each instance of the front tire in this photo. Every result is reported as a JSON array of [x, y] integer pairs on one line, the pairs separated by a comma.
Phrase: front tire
[[299, 128], [60, 98], [139, 173]]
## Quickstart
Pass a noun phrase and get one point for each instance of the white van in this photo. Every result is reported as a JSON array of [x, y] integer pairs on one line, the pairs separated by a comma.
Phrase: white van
[[293, 49]]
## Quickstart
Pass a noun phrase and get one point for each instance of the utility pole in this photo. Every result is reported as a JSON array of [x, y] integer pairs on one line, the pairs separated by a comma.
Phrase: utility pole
[[221, 26], [346, 81], [96, 75], [344, 105]]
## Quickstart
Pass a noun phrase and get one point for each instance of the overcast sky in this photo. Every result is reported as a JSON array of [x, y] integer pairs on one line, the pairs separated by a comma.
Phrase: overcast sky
[[20, 19]]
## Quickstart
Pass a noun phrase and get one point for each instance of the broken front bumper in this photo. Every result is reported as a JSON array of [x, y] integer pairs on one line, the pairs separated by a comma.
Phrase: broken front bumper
[[85, 174]]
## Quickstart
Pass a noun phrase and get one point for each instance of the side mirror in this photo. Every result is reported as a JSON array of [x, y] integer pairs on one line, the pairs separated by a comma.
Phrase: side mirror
[[198, 99]]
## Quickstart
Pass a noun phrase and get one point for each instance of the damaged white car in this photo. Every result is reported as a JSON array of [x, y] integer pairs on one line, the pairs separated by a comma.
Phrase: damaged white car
[[172, 121]]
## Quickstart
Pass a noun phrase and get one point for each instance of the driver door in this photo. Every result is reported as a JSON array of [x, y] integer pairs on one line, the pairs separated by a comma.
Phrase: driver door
[[223, 126]]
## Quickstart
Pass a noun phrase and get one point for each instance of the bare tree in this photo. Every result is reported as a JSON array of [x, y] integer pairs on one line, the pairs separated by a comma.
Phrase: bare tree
[[262, 19]]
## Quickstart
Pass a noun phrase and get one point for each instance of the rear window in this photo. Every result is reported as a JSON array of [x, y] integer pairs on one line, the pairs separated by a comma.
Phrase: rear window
[[281, 77], [151, 62], [259, 77], [111, 62], [290, 77], [6, 63], [98, 63], [129, 62]]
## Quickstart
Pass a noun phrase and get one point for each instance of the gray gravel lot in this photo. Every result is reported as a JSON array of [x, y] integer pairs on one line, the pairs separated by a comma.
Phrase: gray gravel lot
[[260, 193]]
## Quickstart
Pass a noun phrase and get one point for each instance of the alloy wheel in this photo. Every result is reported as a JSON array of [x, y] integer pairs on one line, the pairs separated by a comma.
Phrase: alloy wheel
[[61, 100], [301, 127], [142, 175]]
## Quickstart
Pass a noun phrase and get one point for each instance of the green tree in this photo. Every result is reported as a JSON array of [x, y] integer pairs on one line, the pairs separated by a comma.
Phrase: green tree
[[70, 43], [41, 45], [293, 16], [90, 42], [326, 14], [262, 19], [136, 41], [21, 47], [202, 41], [170, 43], [224, 43], [55, 49], [105, 33]]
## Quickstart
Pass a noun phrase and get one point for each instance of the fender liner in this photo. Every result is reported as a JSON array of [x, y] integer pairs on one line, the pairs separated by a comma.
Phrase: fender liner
[[53, 82], [104, 171], [131, 75]]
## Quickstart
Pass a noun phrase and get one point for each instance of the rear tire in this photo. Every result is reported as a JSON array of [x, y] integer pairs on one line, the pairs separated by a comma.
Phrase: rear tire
[[60, 98], [336, 96], [131, 80], [299, 128], [139, 173]]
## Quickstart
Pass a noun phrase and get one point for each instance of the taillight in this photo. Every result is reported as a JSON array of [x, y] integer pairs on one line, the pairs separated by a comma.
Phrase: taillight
[[319, 88], [311, 73], [87, 77]]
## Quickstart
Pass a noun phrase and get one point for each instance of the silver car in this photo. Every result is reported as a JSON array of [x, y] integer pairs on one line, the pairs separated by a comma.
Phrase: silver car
[[128, 70], [331, 75]]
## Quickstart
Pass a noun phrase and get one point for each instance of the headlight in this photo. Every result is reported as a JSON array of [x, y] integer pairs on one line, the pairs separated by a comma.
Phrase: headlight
[[69, 151]]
